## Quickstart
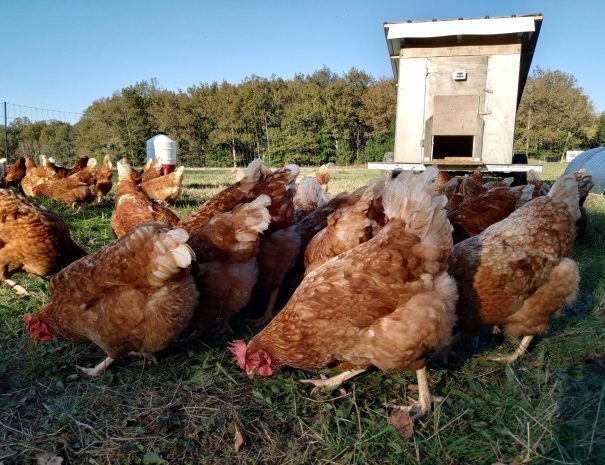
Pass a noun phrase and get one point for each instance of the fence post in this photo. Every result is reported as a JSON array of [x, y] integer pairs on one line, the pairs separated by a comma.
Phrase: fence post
[[5, 135]]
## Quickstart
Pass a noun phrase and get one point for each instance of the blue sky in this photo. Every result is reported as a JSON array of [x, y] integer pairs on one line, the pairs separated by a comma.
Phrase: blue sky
[[65, 54]]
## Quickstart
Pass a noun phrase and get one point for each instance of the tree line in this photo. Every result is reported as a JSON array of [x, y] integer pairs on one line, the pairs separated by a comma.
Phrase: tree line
[[309, 119]]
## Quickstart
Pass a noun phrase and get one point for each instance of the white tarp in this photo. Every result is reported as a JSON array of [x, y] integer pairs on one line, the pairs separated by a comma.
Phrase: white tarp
[[593, 161]]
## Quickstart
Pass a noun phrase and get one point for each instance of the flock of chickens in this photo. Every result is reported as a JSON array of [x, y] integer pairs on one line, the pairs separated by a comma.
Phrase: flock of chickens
[[383, 276]]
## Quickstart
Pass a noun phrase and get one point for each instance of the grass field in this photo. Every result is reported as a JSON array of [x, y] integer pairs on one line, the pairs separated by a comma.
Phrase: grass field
[[546, 408]]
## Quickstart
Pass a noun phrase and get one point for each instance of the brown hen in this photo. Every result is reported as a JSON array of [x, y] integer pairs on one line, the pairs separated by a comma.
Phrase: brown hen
[[104, 174], [132, 207], [323, 176], [279, 186], [75, 190], [134, 295], [15, 172], [151, 170], [227, 199], [281, 254], [32, 239], [226, 270], [475, 214], [385, 303], [164, 188], [308, 196], [347, 228], [515, 274], [34, 175]]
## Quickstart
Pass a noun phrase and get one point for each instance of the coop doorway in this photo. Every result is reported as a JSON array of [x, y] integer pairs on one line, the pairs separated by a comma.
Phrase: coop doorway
[[452, 146]]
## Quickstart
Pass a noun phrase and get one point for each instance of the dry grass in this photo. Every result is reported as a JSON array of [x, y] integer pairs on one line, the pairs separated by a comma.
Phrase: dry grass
[[547, 408]]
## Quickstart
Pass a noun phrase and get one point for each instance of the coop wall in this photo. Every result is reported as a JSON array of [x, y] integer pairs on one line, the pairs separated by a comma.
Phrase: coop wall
[[499, 132], [489, 93], [409, 116]]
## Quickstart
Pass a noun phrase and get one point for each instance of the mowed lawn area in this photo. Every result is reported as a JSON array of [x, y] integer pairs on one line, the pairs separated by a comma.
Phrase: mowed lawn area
[[195, 405]]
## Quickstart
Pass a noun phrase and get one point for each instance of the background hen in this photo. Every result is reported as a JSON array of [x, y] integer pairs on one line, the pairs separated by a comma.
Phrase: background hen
[[32, 239], [226, 270], [15, 172], [347, 227], [104, 174], [515, 274], [307, 197], [164, 188], [323, 176], [76, 189], [132, 207], [227, 199], [475, 214]]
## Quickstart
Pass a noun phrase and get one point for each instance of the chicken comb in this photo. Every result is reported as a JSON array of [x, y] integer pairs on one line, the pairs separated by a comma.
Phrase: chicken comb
[[238, 349]]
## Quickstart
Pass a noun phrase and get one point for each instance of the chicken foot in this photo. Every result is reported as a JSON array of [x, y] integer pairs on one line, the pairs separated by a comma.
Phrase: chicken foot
[[99, 369], [147, 356], [321, 384], [523, 345], [424, 397], [20, 290]]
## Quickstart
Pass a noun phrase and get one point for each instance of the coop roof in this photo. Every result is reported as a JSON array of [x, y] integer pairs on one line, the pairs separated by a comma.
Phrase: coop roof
[[512, 29], [593, 161]]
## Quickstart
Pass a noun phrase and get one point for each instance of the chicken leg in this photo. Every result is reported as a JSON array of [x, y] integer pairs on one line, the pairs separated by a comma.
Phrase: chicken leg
[[321, 384], [99, 369], [268, 315], [523, 345], [425, 399], [424, 395]]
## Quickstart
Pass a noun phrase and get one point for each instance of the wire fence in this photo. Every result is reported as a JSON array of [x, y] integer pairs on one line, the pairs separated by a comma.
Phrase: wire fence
[[15, 115], [13, 111]]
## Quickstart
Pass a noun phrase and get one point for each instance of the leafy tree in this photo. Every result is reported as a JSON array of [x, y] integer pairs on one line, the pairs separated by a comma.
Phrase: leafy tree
[[554, 114], [56, 140], [119, 125], [600, 131]]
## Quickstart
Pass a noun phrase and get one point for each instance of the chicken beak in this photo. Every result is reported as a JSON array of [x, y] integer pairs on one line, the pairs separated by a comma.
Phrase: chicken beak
[[250, 373]]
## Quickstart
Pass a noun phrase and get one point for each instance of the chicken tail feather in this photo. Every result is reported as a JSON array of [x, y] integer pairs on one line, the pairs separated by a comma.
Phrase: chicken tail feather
[[256, 218], [172, 252], [414, 200]]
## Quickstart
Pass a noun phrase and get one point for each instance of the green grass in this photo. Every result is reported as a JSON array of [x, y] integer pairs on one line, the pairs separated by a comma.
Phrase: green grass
[[546, 408]]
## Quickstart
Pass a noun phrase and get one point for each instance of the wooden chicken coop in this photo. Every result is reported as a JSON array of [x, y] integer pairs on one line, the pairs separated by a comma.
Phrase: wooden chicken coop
[[459, 83]]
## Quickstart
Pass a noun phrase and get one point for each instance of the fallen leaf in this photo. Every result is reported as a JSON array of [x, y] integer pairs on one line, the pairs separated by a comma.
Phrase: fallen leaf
[[401, 420], [238, 440], [48, 458]]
